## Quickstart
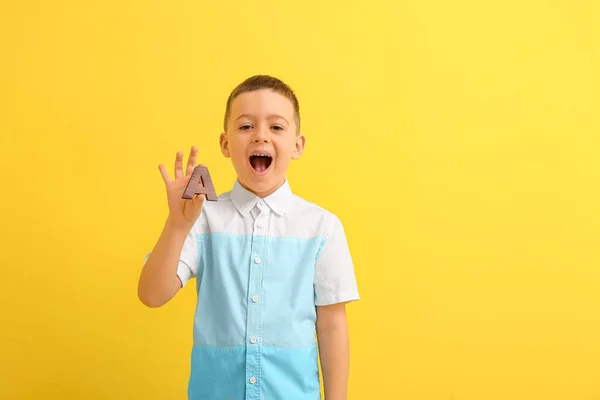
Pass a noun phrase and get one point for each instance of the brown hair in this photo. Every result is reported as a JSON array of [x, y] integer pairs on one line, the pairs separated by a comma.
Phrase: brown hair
[[258, 82]]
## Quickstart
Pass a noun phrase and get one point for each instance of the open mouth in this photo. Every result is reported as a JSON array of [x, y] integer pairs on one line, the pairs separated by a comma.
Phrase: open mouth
[[260, 162]]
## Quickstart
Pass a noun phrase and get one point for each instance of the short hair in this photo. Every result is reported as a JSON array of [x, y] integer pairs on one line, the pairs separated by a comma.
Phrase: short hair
[[258, 82]]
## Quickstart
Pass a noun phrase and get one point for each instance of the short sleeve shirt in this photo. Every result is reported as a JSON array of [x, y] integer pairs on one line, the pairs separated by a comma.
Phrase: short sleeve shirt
[[261, 267]]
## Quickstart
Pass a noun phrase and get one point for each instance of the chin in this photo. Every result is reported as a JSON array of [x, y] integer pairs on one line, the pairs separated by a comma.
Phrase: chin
[[261, 184]]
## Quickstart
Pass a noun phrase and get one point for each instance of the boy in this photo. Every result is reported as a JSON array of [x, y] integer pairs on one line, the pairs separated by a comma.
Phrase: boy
[[270, 267]]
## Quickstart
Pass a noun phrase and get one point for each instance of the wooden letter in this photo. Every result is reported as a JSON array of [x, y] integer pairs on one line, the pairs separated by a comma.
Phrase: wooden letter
[[200, 183]]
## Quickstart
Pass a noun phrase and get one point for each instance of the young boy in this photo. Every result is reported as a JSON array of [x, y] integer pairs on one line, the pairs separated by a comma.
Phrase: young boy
[[270, 267]]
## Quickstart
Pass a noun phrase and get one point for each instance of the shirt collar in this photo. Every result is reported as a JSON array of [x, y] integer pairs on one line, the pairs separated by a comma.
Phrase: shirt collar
[[244, 200]]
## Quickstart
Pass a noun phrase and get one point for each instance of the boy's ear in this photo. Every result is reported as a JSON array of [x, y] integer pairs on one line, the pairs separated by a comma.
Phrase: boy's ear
[[299, 147], [224, 144]]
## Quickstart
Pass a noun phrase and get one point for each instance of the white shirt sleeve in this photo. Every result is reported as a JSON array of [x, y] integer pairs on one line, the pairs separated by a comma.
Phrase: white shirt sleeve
[[188, 260], [187, 267], [335, 281]]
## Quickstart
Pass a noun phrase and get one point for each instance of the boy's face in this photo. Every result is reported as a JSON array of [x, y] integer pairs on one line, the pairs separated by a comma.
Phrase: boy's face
[[261, 140]]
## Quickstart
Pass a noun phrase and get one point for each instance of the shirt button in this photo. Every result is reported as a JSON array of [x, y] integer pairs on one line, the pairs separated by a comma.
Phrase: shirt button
[[253, 380], [257, 260], [253, 340], [255, 299], [260, 225]]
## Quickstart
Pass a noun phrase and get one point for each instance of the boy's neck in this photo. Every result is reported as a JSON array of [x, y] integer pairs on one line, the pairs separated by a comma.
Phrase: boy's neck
[[265, 193]]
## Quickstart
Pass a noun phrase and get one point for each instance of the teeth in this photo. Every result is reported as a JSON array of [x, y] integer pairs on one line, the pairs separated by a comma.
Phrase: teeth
[[261, 155]]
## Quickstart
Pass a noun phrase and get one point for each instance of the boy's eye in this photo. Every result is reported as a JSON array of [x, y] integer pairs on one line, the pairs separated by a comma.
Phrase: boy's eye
[[245, 127], [278, 128]]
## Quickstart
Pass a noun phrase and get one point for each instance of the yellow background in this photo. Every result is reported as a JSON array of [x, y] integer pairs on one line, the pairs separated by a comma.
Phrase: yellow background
[[458, 141]]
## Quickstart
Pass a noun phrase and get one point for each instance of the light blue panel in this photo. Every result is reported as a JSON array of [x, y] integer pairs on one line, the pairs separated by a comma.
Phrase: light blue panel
[[217, 373], [221, 374], [289, 312], [220, 317], [290, 374], [286, 298]]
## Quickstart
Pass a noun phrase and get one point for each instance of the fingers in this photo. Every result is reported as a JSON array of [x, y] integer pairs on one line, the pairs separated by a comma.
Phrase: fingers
[[192, 160], [164, 174], [179, 165]]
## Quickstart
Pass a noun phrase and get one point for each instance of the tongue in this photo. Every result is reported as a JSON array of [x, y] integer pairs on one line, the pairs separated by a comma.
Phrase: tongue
[[259, 163]]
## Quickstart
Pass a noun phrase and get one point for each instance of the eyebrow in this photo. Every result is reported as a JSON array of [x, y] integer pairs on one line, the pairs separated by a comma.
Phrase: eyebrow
[[270, 116]]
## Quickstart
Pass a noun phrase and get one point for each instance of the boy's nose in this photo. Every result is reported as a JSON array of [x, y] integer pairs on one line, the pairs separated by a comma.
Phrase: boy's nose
[[260, 136]]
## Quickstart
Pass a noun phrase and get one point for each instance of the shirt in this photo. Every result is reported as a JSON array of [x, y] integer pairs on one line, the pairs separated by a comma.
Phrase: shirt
[[261, 267]]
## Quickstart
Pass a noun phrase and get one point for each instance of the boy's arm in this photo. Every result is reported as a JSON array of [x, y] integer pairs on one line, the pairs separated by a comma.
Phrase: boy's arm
[[159, 281], [335, 286], [334, 349]]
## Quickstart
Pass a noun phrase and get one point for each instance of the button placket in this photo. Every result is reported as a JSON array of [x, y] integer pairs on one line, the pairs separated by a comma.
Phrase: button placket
[[254, 311], [261, 219]]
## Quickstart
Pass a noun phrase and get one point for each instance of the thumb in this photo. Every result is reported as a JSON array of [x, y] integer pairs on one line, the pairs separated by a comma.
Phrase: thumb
[[197, 202]]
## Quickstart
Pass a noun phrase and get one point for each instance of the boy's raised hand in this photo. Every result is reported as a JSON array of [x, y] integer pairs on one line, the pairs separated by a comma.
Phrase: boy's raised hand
[[182, 213]]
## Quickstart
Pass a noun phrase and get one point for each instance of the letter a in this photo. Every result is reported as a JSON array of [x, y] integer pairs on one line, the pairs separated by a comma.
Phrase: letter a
[[200, 183]]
